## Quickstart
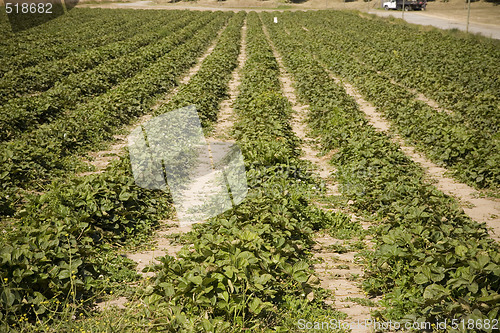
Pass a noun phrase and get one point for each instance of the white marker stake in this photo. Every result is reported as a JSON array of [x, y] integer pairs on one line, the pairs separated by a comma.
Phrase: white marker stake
[[275, 19]]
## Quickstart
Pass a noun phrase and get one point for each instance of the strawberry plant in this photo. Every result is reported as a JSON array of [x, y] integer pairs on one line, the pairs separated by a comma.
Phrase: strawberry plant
[[471, 152], [43, 76], [49, 42], [427, 248], [52, 147], [20, 115], [53, 258], [250, 263], [250, 267]]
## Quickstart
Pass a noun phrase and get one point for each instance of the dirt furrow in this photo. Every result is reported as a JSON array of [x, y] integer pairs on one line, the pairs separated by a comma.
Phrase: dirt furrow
[[226, 114], [340, 273], [191, 72], [430, 102], [420, 96], [163, 239], [483, 210], [337, 272], [101, 159], [164, 243]]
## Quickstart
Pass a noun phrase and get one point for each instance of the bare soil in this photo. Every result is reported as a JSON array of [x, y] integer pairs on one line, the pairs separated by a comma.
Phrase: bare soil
[[430, 102], [226, 116], [163, 245], [483, 210], [101, 159], [340, 273], [112, 303], [482, 12], [337, 272]]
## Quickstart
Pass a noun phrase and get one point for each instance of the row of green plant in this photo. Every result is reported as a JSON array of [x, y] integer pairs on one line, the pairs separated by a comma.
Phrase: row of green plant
[[90, 212], [83, 29], [57, 257], [460, 73], [80, 17], [42, 77], [208, 87], [32, 160], [20, 115], [74, 223], [248, 268], [471, 154], [431, 262]]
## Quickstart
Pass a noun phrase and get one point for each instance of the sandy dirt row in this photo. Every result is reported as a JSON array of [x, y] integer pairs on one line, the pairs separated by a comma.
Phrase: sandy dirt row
[[483, 210], [164, 237], [226, 116], [337, 272]]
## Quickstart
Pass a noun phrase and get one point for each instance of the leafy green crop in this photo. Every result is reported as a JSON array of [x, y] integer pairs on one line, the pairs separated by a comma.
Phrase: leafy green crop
[[53, 257], [25, 113], [249, 264], [50, 150], [463, 143], [250, 267], [431, 262]]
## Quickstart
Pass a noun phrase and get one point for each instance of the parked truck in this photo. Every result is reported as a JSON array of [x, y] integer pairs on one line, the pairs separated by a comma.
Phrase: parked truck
[[408, 4]]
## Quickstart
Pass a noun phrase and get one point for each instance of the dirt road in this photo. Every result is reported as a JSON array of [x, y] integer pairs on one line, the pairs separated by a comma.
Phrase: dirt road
[[442, 23]]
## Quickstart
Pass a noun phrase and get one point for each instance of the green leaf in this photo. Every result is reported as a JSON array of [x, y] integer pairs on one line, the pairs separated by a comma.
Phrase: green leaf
[[461, 250], [8, 297], [435, 292], [64, 274], [483, 260], [420, 278], [255, 305], [473, 287], [196, 279], [124, 196]]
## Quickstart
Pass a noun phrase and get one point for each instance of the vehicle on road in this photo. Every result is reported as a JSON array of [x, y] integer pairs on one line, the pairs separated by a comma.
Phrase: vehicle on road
[[406, 5]]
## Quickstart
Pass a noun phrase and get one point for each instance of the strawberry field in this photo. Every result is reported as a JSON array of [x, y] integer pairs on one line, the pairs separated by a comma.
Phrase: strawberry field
[[339, 224]]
